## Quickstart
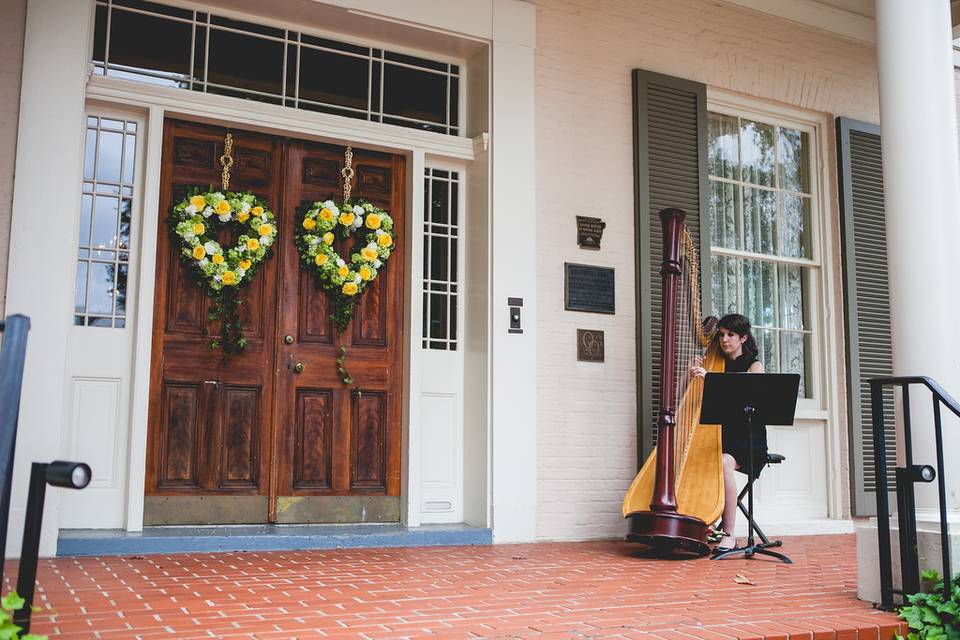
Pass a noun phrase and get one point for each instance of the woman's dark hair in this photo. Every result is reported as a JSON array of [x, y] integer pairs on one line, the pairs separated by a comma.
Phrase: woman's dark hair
[[738, 324]]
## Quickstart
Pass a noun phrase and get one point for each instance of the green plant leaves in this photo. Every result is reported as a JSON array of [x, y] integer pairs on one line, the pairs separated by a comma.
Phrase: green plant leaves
[[8, 630], [930, 617]]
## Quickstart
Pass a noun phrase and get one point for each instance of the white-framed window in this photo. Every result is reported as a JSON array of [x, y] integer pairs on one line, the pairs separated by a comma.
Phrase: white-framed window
[[764, 230], [441, 264], [106, 221]]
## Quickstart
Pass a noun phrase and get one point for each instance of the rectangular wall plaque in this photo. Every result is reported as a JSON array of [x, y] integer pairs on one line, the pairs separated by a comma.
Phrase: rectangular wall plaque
[[589, 345], [588, 288], [589, 232]]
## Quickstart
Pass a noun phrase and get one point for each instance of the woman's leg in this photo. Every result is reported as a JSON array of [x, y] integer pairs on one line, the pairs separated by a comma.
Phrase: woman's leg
[[729, 520]]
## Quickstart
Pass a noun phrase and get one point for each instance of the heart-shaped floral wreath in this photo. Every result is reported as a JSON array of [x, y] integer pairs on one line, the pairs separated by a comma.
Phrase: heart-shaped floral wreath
[[221, 272], [344, 280]]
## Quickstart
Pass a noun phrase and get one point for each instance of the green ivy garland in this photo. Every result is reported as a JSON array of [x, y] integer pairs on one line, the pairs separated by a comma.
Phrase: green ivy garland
[[221, 271], [344, 280]]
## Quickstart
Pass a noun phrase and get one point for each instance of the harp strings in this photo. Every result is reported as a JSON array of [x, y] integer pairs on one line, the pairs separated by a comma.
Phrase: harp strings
[[689, 350]]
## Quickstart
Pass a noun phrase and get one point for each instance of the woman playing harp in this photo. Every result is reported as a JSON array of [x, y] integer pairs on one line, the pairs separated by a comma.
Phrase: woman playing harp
[[679, 491]]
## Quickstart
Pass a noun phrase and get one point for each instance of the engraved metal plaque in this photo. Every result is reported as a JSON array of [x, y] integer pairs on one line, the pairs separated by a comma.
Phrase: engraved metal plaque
[[589, 345], [589, 232], [588, 288]]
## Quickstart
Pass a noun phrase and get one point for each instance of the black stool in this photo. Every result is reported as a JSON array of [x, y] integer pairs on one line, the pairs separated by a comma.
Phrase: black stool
[[772, 458]]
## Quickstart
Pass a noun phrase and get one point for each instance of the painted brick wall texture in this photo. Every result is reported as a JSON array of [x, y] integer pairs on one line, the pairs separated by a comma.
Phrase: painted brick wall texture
[[585, 52], [11, 58]]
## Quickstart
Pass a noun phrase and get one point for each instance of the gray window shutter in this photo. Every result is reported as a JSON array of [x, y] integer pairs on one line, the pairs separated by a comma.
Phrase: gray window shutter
[[866, 299], [670, 155]]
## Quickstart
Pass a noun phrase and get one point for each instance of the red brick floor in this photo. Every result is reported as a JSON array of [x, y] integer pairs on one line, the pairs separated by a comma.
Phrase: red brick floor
[[556, 590]]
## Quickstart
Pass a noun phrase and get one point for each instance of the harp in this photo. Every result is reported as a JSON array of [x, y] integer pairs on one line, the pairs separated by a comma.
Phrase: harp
[[679, 490]]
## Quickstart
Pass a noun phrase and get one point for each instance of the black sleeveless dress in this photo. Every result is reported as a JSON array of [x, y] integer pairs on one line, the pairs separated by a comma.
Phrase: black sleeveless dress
[[736, 438]]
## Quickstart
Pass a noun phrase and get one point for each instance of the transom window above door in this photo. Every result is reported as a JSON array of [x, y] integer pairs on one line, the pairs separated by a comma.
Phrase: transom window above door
[[206, 52]]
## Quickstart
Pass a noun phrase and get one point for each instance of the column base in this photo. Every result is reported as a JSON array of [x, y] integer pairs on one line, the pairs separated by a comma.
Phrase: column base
[[928, 551]]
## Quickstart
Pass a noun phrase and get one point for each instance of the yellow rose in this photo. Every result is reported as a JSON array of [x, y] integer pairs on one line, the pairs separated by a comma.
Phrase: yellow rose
[[245, 264], [366, 272], [243, 217], [217, 258], [198, 202], [257, 211], [373, 221], [346, 218], [385, 240], [265, 229], [326, 215], [343, 271], [223, 207], [199, 252], [228, 277], [321, 259], [253, 244], [328, 237], [198, 228], [350, 288], [368, 254], [309, 223]]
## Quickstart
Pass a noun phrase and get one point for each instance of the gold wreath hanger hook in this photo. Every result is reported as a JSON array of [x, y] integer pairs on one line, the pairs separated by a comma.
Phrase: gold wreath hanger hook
[[347, 172], [226, 160]]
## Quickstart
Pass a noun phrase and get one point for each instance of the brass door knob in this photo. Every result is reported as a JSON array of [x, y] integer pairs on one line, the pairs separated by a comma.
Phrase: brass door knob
[[298, 368], [288, 339]]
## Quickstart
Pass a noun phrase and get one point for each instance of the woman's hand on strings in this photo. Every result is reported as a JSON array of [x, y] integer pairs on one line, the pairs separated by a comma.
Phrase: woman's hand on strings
[[696, 368]]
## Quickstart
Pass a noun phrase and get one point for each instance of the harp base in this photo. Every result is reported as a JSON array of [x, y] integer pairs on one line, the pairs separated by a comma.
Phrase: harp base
[[668, 533]]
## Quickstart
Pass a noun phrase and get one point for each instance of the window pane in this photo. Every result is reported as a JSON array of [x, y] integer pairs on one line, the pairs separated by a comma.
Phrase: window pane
[[150, 42], [414, 94], [438, 315], [439, 202], [438, 258], [80, 293], [758, 292], [100, 34], [724, 151], [100, 289], [793, 356], [109, 151], [767, 344], [791, 288], [724, 287], [795, 232], [333, 78], [86, 213], [121, 297], [90, 154], [724, 215], [245, 62], [794, 160], [105, 223], [454, 200], [129, 156], [760, 220], [757, 152], [123, 241]]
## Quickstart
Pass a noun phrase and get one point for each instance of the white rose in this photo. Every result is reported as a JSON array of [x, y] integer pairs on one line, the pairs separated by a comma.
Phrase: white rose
[[190, 209], [225, 217], [329, 204], [204, 262], [246, 207], [207, 212], [340, 262], [358, 210], [372, 245], [266, 240], [211, 248], [377, 263], [218, 195], [217, 277], [357, 278], [357, 221]]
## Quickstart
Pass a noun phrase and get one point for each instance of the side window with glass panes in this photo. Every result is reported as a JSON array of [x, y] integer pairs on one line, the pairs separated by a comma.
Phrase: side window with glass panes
[[761, 228]]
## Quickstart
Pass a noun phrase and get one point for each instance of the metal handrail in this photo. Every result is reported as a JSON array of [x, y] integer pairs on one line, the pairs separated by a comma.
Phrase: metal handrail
[[906, 476]]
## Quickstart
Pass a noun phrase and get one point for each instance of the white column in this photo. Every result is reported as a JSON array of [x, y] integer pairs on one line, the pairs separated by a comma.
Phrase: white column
[[513, 272], [43, 234], [921, 175]]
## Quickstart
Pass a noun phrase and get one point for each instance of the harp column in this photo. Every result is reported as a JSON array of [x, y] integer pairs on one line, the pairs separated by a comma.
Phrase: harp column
[[921, 173]]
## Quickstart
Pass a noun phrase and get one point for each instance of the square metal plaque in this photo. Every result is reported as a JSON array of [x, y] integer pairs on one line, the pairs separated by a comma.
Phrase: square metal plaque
[[589, 345]]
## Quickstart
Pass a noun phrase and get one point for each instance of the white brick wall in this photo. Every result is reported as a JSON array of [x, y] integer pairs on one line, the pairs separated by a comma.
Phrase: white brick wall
[[585, 52], [11, 59]]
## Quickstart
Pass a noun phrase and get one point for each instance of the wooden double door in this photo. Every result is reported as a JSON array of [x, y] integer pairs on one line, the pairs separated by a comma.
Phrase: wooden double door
[[259, 439]]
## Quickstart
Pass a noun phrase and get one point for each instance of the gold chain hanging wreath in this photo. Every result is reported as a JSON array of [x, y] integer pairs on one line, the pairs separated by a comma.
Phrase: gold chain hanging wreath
[[221, 270], [344, 279]]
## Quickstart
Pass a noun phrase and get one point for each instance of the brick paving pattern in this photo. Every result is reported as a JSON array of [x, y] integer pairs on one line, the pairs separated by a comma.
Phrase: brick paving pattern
[[544, 590]]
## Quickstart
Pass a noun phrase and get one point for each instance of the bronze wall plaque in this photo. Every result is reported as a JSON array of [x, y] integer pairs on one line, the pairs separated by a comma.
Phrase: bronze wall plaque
[[589, 232], [589, 345], [588, 288]]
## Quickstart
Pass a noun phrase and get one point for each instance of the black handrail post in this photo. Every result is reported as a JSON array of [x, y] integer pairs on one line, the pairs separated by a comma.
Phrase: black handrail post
[[12, 356], [906, 517], [942, 487], [883, 508], [33, 522]]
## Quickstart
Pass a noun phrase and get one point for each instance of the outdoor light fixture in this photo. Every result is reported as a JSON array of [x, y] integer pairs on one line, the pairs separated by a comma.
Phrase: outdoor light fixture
[[921, 473], [59, 473]]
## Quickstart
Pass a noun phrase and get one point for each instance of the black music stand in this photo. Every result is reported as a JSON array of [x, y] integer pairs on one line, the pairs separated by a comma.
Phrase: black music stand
[[768, 398]]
